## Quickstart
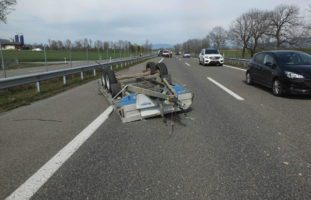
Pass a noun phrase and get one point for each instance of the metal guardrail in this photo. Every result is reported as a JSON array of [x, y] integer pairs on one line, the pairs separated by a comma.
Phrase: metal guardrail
[[238, 61], [38, 77]]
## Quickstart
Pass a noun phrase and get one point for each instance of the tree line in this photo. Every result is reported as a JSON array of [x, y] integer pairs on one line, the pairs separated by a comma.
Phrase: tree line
[[282, 27], [83, 44]]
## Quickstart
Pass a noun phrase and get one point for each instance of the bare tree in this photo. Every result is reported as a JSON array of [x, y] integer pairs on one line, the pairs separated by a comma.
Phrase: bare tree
[[259, 26], [53, 44], [6, 6], [218, 37], [85, 43], [240, 32], [98, 44], [67, 44], [106, 45], [78, 44], [283, 20], [60, 44]]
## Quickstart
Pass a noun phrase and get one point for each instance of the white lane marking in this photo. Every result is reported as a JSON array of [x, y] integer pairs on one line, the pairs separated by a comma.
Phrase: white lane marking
[[161, 60], [226, 89], [187, 64], [237, 68], [34, 183], [37, 70]]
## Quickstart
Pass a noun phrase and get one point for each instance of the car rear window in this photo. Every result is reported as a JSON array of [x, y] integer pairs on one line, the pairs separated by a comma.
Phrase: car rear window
[[211, 51], [293, 58]]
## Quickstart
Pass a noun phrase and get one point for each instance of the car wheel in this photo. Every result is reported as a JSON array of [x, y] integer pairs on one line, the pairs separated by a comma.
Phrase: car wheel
[[277, 87], [249, 79]]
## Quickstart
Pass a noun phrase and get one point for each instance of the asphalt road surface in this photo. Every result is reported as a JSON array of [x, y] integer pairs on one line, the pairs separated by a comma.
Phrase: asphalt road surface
[[237, 142]]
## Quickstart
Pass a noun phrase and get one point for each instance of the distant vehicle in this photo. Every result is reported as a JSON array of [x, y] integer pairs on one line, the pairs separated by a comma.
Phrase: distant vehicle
[[177, 53], [166, 53], [282, 71], [187, 54], [210, 56]]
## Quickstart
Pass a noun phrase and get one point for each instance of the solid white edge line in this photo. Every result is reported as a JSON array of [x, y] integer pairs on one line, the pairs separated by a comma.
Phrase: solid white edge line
[[226, 89], [37, 180], [161, 60], [237, 68], [187, 64]]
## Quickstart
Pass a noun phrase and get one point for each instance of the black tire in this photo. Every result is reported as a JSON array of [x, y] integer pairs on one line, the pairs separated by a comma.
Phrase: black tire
[[248, 78], [103, 79], [161, 67], [277, 88], [151, 66], [110, 79], [115, 89]]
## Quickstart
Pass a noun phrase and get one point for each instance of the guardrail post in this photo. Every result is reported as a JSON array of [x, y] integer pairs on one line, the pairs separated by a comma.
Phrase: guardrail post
[[64, 80], [38, 86], [82, 76], [94, 72]]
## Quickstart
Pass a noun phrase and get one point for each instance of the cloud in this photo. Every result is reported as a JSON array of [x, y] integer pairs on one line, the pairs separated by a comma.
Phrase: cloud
[[159, 21]]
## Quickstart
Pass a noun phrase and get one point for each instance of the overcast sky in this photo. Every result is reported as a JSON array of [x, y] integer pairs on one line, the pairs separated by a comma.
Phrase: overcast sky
[[159, 21]]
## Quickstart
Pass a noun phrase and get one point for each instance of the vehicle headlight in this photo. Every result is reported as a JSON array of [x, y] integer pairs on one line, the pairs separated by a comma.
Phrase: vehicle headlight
[[206, 57], [293, 75]]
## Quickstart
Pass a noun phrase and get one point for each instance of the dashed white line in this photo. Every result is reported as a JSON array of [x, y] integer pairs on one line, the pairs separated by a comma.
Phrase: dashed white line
[[34, 183], [161, 60], [237, 68], [187, 64], [236, 96]]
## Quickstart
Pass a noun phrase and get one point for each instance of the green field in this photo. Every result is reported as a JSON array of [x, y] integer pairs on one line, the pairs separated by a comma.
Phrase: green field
[[60, 55]]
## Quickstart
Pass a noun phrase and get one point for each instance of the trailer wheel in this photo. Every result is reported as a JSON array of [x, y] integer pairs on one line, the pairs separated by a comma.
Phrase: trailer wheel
[[161, 67], [115, 89], [110, 78], [103, 78], [151, 66]]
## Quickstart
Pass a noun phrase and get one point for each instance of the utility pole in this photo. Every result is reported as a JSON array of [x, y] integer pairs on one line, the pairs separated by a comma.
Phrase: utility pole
[[2, 61], [70, 55], [87, 54], [45, 59]]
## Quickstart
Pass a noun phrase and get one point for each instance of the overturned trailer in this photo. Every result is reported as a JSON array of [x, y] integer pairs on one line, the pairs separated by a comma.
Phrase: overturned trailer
[[147, 94]]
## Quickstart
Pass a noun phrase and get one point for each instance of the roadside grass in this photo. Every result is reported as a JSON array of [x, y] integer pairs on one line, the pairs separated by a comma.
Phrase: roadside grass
[[28, 65], [24, 95]]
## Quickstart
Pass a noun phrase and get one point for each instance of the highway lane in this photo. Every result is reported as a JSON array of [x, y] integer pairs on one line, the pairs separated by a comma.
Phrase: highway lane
[[223, 148], [31, 135]]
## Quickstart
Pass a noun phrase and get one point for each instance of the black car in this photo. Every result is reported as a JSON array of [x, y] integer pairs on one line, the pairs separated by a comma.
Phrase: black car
[[282, 71]]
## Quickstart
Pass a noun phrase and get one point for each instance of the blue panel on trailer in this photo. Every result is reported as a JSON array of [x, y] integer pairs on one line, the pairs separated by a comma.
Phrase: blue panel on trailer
[[179, 89], [127, 100]]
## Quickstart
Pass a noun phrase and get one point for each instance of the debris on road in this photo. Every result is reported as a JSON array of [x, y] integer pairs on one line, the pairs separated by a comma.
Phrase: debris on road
[[144, 95]]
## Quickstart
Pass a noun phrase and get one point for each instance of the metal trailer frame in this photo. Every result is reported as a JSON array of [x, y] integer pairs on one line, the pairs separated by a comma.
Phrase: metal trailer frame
[[154, 88]]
